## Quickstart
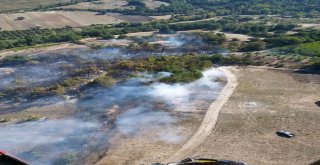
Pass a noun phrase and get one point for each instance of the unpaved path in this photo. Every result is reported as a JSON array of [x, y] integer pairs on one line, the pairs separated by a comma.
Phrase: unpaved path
[[209, 120]]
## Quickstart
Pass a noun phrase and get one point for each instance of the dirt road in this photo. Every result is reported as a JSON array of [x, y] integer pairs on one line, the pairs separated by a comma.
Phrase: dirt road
[[210, 119]]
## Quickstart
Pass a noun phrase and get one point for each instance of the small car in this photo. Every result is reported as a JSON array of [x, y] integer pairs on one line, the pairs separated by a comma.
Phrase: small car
[[285, 134], [202, 161]]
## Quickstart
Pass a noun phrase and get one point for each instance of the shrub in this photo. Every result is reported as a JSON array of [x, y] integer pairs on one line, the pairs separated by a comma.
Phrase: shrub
[[105, 80], [71, 82], [184, 77], [32, 118]]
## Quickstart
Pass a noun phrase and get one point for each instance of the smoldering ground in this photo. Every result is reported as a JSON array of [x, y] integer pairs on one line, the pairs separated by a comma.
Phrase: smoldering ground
[[50, 67], [143, 103]]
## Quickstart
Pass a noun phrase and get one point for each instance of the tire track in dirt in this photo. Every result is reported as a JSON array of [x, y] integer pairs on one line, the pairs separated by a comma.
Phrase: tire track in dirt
[[209, 122]]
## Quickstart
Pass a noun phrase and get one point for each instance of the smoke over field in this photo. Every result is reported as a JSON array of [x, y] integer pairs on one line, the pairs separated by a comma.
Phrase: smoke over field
[[143, 105], [45, 142], [132, 107]]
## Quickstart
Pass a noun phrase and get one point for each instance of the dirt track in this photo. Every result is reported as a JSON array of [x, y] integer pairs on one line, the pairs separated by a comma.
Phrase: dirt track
[[210, 119]]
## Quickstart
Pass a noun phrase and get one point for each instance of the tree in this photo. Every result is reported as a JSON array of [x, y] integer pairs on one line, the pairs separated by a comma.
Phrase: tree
[[252, 46]]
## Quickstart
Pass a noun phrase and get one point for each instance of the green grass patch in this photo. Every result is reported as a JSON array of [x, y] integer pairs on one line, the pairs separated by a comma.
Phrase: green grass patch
[[105, 80], [306, 49]]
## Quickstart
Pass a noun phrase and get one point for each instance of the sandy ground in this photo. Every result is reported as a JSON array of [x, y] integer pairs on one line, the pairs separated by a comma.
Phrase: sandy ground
[[264, 102]]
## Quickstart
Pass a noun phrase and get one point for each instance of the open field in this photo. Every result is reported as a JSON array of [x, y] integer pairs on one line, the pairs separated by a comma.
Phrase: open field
[[100, 5], [60, 19], [111, 4], [9, 5], [152, 4], [264, 102]]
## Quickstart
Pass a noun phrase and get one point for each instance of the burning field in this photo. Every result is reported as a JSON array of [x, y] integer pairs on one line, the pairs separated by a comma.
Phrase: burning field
[[79, 125]]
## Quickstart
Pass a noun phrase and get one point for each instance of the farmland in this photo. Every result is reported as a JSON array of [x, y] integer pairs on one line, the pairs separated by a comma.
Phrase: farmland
[[110, 4], [99, 5], [61, 19], [9, 5]]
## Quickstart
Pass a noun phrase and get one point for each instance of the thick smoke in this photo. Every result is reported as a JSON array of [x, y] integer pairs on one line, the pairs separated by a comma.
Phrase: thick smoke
[[43, 142]]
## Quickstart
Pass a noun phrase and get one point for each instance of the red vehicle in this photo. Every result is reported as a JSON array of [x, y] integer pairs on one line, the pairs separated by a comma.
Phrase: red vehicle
[[7, 159]]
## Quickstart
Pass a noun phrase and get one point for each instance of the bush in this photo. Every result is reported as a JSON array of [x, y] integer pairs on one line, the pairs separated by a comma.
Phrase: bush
[[183, 77], [71, 82], [60, 90], [252, 46], [32, 118], [4, 120], [105, 80]]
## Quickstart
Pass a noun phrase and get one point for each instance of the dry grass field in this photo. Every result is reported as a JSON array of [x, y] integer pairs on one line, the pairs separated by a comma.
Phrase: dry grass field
[[10, 5], [111, 4], [100, 5], [264, 102], [60, 19]]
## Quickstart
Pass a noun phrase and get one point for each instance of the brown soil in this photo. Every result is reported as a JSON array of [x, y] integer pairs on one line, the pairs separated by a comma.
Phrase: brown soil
[[264, 102]]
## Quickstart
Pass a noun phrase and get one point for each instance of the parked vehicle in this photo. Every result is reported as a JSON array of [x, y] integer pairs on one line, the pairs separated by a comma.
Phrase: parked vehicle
[[202, 161], [285, 134]]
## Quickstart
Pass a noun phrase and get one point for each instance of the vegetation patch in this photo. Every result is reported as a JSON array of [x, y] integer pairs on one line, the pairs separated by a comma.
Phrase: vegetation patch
[[308, 49], [105, 80]]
